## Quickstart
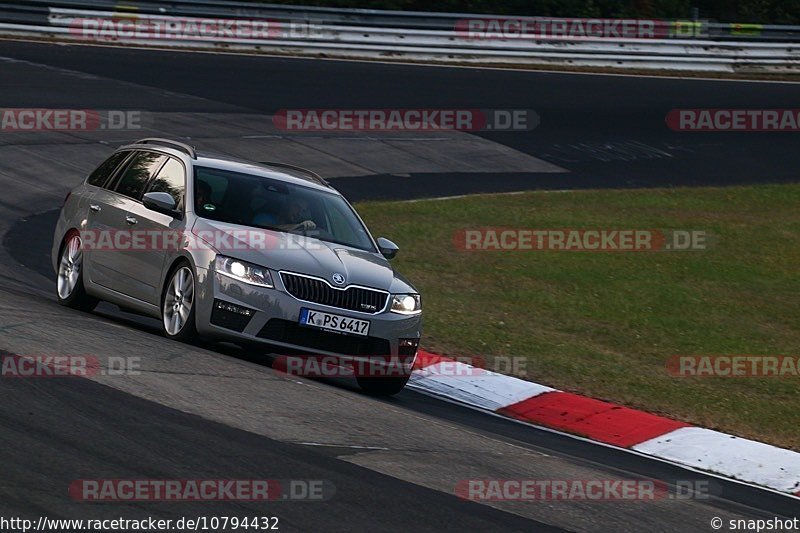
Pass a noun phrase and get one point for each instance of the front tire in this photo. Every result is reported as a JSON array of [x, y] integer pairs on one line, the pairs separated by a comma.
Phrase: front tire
[[178, 305], [70, 289], [380, 386]]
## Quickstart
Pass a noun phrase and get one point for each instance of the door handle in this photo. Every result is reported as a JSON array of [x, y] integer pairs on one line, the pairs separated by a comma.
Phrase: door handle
[[95, 208], [130, 220]]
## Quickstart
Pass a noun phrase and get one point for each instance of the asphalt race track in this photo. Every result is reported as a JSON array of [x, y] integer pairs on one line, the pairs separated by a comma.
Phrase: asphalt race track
[[218, 412], [608, 131]]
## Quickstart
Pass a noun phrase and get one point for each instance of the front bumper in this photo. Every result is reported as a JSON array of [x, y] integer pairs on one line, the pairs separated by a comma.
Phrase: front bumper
[[274, 316]]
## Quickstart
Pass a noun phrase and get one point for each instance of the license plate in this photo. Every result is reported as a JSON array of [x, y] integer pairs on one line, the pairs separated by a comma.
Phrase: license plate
[[339, 323]]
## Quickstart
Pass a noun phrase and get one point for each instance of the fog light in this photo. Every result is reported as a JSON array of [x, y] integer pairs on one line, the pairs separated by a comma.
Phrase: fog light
[[407, 347], [231, 308], [231, 316]]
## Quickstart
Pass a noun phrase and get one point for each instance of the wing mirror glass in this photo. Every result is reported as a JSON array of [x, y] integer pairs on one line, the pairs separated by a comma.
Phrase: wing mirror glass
[[161, 202], [388, 248]]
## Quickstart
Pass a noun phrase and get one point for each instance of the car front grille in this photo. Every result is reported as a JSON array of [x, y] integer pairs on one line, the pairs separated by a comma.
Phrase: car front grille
[[318, 291], [279, 330]]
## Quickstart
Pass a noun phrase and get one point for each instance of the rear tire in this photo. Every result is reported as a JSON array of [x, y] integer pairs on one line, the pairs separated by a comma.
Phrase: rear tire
[[178, 304], [70, 290], [379, 386]]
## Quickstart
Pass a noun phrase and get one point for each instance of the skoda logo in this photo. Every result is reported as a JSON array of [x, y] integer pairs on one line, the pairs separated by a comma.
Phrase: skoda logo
[[338, 279]]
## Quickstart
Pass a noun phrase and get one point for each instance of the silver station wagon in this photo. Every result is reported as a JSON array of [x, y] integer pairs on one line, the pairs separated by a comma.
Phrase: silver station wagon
[[223, 249]]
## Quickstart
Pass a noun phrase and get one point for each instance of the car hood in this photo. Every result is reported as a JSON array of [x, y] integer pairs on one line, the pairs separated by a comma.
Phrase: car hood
[[303, 255]]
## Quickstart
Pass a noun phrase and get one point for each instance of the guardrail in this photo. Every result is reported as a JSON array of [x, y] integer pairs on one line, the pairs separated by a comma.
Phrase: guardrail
[[445, 37]]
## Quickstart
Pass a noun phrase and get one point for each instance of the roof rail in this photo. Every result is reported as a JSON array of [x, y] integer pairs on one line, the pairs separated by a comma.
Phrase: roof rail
[[183, 147], [316, 177]]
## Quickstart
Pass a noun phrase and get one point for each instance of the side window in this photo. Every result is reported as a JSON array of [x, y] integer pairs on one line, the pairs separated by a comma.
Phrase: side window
[[171, 179], [101, 174], [138, 173]]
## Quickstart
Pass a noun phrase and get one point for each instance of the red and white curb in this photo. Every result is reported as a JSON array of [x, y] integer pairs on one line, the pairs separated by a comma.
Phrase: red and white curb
[[704, 449]]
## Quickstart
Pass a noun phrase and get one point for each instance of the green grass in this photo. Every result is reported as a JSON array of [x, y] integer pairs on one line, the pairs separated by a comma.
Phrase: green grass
[[605, 324]]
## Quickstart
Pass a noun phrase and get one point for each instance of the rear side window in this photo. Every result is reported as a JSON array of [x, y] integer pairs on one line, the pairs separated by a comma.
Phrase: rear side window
[[138, 173], [171, 179], [99, 177]]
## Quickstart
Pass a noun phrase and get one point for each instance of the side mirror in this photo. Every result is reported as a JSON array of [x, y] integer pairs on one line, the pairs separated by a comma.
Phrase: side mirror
[[388, 248], [161, 202]]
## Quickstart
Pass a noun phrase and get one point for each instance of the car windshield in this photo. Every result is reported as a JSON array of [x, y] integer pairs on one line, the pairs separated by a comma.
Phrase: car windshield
[[249, 200]]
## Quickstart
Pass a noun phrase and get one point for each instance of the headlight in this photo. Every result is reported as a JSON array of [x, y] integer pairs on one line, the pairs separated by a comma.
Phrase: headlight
[[406, 304], [243, 271]]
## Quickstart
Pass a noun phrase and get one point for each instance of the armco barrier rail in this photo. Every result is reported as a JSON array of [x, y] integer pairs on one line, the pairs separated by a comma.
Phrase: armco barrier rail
[[447, 37]]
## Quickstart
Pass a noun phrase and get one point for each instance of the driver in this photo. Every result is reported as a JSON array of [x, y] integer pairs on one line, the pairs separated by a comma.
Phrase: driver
[[295, 216], [202, 195], [298, 216]]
